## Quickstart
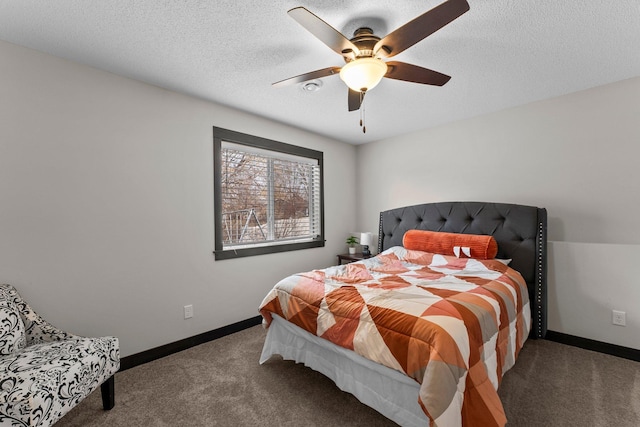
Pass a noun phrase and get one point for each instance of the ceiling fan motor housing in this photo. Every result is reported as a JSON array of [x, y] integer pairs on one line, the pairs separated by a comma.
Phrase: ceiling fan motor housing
[[364, 40]]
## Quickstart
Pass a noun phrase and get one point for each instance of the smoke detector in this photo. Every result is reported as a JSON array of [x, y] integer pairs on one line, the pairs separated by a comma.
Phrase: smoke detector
[[311, 86]]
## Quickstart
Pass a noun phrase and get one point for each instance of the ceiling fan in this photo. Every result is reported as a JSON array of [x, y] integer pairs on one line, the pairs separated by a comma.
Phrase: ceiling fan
[[364, 53]]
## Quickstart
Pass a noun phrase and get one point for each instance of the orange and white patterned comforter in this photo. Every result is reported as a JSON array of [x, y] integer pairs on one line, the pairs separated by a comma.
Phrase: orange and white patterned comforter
[[455, 325]]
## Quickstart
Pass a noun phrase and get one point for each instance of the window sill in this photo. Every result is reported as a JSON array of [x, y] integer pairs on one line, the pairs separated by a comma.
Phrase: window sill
[[261, 250]]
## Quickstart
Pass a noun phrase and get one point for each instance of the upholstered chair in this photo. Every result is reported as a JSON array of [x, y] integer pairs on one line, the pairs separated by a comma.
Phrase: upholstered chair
[[44, 371]]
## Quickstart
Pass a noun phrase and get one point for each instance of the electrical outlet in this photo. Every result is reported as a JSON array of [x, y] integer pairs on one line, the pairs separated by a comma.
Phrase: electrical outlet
[[619, 318], [188, 311]]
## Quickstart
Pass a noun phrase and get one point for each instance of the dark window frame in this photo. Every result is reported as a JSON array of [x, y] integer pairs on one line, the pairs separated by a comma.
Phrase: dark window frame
[[221, 134]]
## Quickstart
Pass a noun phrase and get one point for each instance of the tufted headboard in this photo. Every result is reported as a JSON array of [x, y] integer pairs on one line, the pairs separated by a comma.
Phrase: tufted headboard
[[521, 233]]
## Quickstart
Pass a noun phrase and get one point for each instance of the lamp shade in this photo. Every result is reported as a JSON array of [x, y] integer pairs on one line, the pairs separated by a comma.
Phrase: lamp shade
[[366, 239], [363, 74]]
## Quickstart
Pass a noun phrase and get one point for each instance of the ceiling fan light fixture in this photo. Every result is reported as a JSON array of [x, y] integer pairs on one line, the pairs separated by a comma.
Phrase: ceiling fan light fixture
[[363, 74]]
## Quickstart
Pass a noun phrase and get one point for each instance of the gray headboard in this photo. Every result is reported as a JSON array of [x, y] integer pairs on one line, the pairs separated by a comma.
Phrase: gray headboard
[[521, 233]]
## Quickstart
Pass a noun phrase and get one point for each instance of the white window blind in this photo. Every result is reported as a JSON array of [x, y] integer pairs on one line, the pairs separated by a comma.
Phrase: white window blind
[[268, 197]]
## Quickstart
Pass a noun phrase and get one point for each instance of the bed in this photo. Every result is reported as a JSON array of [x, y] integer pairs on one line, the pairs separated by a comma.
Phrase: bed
[[415, 382]]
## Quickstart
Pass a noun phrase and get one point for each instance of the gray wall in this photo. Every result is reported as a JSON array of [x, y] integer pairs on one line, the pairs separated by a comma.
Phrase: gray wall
[[106, 204], [577, 155]]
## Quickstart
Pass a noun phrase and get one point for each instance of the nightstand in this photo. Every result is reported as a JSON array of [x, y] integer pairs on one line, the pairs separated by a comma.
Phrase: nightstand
[[351, 257]]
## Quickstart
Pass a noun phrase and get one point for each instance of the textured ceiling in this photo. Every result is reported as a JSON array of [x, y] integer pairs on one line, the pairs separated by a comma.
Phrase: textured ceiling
[[500, 54]]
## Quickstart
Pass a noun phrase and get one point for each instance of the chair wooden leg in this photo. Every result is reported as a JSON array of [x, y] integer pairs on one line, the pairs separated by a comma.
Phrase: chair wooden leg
[[108, 393]]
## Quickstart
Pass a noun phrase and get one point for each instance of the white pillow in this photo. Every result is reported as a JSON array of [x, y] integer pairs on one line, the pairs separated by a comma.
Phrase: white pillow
[[12, 334]]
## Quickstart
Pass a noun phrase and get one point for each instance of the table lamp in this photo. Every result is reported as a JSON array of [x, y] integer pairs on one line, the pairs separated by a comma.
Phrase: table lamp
[[365, 240]]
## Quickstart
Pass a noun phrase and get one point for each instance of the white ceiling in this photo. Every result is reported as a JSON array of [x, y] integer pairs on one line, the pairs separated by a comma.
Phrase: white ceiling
[[500, 54]]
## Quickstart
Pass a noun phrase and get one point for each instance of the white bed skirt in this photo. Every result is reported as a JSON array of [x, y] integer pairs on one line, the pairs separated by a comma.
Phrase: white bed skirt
[[386, 390]]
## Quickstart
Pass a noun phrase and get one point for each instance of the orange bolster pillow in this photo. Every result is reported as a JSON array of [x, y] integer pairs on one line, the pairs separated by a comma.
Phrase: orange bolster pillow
[[437, 242]]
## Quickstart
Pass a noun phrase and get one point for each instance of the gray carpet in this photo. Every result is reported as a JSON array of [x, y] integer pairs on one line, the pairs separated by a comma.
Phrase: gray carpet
[[221, 384]]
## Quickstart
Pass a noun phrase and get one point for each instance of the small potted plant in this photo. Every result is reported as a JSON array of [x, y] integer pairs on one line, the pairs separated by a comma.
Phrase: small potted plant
[[351, 241]]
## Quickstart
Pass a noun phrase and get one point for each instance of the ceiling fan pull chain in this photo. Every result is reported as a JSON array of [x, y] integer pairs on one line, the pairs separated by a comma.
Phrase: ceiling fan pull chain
[[362, 113], [360, 109]]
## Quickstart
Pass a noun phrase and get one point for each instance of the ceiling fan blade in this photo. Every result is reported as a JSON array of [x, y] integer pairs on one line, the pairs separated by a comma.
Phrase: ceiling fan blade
[[318, 74], [323, 31], [355, 99], [422, 26], [412, 73]]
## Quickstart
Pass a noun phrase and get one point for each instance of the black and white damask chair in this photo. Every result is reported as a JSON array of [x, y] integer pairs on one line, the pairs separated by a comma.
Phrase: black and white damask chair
[[44, 371]]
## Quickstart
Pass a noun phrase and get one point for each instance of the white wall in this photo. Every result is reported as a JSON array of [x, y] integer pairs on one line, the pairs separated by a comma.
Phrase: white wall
[[106, 204], [586, 283], [577, 155]]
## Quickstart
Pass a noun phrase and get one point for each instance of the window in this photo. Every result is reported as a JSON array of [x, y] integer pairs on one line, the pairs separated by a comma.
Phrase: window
[[268, 196]]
